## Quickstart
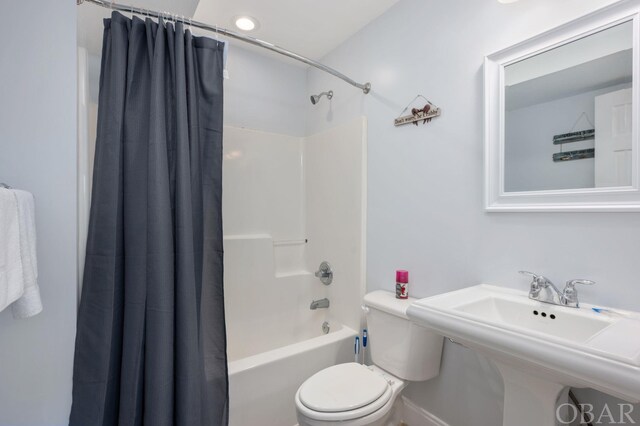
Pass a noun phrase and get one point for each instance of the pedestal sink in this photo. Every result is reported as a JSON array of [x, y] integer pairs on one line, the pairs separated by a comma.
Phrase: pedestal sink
[[540, 349]]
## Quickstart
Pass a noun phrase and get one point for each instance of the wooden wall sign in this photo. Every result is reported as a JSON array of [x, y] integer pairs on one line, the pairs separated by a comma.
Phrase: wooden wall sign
[[424, 114]]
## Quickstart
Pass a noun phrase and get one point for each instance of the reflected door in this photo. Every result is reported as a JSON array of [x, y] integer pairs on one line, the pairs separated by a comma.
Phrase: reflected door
[[613, 139]]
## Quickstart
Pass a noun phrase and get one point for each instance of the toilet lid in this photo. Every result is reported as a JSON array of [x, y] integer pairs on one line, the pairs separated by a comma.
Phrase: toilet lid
[[342, 387]]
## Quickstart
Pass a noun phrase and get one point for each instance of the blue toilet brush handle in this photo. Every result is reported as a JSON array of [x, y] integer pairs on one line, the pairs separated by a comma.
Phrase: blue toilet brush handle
[[364, 343]]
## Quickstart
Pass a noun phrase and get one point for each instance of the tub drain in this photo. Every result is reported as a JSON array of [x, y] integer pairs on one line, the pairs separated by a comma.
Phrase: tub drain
[[325, 327]]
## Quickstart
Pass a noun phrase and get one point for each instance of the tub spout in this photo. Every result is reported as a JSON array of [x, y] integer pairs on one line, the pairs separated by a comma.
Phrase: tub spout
[[322, 303]]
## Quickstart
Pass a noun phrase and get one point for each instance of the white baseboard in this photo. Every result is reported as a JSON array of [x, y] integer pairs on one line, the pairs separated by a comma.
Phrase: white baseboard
[[418, 416]]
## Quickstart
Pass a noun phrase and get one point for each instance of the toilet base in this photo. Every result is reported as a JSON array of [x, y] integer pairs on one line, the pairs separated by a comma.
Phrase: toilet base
[[363, 421]]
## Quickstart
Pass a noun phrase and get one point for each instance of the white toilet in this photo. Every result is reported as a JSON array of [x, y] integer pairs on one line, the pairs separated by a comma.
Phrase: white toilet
[[357, 395]]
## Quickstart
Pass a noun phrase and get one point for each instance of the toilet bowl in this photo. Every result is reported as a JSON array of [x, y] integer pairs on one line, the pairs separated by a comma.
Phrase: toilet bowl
[[353, 394], [349, 394]]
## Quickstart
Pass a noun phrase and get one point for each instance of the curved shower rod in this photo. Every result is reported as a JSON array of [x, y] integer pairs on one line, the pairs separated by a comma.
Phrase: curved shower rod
[[228, 33]]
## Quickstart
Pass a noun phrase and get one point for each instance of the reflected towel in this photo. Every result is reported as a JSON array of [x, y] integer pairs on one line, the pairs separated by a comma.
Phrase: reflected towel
[[29, 304], [11, 274]]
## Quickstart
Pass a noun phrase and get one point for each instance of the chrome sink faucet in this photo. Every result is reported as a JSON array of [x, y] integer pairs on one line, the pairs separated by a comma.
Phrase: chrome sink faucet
[[543, 290]]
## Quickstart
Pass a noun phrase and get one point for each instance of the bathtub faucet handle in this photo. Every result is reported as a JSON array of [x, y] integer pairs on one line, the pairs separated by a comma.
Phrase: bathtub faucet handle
[[325, 273]]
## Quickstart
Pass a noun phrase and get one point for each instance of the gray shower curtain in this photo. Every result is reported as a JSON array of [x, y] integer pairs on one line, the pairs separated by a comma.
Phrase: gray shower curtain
[[151, 344]]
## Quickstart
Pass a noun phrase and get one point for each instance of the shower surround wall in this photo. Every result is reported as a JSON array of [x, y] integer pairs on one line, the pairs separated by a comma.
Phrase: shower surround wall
[[425, 209], [288, 204], [264, 241], [335, 207]]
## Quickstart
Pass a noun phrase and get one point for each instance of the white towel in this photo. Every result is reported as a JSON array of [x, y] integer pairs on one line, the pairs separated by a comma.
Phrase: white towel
[[29, 304], [11, 274]]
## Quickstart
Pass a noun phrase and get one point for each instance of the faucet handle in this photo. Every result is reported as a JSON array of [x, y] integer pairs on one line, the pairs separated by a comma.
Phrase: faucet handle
[[572, 283], [570, 294], [529, 274], [535, 281], [325, 273]]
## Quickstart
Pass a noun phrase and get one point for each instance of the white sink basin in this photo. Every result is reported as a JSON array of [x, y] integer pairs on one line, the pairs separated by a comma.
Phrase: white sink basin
[[539, 348], [576, 325]]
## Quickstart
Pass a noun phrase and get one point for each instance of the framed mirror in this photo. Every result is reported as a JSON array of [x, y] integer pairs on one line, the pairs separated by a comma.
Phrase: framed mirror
[[561, 117]]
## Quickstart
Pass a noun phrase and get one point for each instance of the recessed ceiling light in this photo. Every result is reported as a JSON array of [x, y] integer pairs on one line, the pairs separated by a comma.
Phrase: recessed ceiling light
[[246, 23]]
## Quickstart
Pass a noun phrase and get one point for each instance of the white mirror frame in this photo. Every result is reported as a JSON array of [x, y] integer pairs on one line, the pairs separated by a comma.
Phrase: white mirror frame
[[613, 199]]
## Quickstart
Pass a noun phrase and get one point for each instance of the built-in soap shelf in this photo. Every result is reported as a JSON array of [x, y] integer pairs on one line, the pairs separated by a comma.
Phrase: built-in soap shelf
[[280, 243], [291, 274], [287, 254]]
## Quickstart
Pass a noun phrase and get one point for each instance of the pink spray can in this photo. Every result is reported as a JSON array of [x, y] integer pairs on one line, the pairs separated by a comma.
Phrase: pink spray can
[[402, 284]]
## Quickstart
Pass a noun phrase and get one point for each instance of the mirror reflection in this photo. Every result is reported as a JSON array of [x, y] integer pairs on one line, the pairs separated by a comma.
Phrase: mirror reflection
[[568, 115]]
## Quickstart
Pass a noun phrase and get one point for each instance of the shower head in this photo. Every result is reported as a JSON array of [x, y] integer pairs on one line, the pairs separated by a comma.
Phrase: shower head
[[316, 98]]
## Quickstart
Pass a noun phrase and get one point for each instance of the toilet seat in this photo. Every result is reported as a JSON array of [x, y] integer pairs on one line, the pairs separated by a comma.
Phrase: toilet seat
[[343, 392]]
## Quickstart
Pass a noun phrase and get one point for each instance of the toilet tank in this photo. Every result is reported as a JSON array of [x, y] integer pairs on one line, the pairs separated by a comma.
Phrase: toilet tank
[[395, 344]]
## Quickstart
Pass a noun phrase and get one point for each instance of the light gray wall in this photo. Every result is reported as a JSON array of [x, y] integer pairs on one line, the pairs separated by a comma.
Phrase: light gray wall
[[425, 207], [38, 153], [529, 147], [264, 93]]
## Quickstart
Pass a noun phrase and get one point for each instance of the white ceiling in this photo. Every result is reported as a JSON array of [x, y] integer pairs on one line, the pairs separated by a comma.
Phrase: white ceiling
[[308, 27], [311, 28]]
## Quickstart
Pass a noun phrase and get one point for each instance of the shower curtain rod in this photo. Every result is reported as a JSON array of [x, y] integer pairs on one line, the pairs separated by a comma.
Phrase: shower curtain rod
[[228, 33]]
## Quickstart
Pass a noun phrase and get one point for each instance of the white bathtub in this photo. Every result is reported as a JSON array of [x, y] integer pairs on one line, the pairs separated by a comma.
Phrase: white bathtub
[[262, 387]]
